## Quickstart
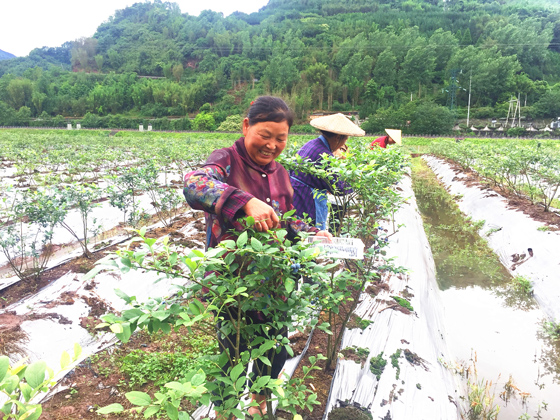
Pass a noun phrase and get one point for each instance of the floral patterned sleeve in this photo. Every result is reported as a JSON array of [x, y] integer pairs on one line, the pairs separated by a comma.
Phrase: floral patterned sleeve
[[206, 189]]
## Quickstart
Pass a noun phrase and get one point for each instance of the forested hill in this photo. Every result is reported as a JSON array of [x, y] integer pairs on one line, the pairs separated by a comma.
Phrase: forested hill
[[383, 56], [5, 55]]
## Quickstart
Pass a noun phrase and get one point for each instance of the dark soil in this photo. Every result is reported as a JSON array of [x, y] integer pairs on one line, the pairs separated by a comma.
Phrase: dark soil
[[298, 342], [90, 386], [350, 353], [25, 288], [349, 413], [97, 382], [321, 380], [10, 333]]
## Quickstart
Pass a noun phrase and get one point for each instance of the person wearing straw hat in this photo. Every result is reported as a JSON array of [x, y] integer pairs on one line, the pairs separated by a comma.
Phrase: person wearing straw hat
[[310, 191], [392, 137]]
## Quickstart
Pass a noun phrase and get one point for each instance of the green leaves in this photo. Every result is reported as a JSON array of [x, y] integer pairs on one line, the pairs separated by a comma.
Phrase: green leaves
[[236, 371], [4, 366], [35, 374], [110, 409], [138, 398], [27, 381], [242, 240], [256, 244]]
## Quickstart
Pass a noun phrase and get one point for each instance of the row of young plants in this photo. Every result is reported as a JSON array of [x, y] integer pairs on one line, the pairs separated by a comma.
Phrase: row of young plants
[[529, 169], [50, 157], [218, 289], [28, 218]]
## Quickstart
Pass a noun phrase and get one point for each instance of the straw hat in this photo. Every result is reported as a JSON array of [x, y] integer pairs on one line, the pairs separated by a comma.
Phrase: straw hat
[[394, 134], [337, 124]]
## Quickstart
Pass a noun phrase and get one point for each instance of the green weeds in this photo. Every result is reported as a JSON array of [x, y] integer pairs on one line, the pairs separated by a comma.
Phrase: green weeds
[[160, 368], [377, 365], [552, 329], [522, 285], [395, 361], [404, 303]]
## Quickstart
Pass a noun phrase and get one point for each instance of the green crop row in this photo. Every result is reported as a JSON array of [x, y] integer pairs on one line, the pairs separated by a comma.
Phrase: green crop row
[[528, 169]]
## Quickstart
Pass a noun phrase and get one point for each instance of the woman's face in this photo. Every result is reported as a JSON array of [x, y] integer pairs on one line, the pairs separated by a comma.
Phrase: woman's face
[[265, 141]]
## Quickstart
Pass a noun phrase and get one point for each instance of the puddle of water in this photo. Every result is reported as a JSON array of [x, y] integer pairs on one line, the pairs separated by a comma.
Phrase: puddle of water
[[486, 318], [505, 342]]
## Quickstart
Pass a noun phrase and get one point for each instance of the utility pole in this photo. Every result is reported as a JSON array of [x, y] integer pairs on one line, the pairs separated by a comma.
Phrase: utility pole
[[469, 105], [519, 102]]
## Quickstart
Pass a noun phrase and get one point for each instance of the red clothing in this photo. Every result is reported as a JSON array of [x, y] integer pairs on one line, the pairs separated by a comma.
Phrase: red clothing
[[381, 142]]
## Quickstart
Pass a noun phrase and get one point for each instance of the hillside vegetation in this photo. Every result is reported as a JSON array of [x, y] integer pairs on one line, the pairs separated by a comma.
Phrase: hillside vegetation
[[392, 60]]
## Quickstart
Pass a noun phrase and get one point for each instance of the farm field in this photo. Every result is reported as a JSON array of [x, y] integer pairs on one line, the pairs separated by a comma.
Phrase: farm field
[[66, 198]]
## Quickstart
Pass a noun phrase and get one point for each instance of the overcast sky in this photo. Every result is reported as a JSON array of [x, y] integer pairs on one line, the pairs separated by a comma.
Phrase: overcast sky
[[28, 24]]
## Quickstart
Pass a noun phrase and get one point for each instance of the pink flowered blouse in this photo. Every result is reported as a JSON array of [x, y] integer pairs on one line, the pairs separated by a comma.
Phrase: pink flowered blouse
[[227, 181]]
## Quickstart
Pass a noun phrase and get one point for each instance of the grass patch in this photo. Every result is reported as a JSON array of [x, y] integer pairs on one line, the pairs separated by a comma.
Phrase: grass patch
[[404, 303], [159, 359], [522, 285], [395, 361], [552, 330], [377, 365], [357, 354], [357, 322]]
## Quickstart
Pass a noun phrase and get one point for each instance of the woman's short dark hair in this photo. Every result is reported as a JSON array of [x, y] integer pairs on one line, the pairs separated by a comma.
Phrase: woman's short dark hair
[[330, 135], [269, 108]]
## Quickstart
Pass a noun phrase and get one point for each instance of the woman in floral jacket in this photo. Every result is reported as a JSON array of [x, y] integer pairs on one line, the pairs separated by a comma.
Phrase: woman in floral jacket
[[245, 180]]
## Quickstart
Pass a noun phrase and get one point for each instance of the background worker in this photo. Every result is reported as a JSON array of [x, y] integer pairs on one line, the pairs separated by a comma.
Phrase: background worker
[[310, 191], [392, 137]]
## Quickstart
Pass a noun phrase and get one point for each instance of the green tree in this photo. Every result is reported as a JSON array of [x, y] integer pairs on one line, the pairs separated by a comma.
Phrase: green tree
[[466, 38], [7, 114], [355, 74], [445, 44], [370, 99], [20, 93], [317, 75], [281, 74], [549, 104], [99, 61], [232, 123], [178, 71], [23, 116], [418, 68], [385, 118], [204, 122], [524, 38], [492, 73], [430, 118], [385, 68], [83, 53]]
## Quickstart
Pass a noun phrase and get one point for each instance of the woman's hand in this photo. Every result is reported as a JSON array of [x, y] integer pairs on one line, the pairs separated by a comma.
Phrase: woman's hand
[[326, 234], [264, 215]]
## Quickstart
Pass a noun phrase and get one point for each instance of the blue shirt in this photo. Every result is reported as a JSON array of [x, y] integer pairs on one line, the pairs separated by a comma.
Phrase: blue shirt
[[304, 184]]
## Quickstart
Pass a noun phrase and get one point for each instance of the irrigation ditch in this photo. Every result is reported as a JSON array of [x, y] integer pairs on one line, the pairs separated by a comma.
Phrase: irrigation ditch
[[490, 294]]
